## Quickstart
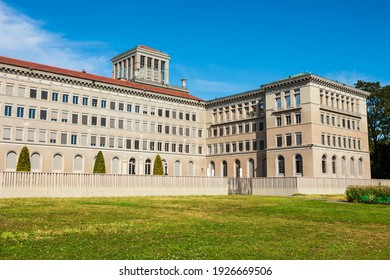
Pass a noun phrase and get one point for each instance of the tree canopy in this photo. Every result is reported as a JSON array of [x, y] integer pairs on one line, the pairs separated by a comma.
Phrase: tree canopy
[[100, 166], [24, 163], [378, 121]]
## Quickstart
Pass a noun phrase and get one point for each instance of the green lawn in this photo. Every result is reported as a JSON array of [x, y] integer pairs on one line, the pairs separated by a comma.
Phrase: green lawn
[[198, 227]]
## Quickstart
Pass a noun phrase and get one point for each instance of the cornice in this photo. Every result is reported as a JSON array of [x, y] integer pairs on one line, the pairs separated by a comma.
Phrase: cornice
[[232, 98]]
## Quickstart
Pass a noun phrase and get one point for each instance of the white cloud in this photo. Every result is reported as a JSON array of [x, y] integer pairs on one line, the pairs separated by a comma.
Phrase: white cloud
[[25, 38]]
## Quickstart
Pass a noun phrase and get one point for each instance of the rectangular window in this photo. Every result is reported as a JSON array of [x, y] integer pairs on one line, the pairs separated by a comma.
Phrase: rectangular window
[[193, 117], [64, 137], [129, 107], [93, 140], [121, 106], [19, 134], [84, 120], [323, 139], [103, 121], [104, 104], [180, 148], [85, 101], [298, 139], [261, 145], [112, 123], [136, 144], [54, 96], [8, 110], [75, 99], [102, 141], [73, 139], [254, 145], [112, 105], [65, 98], [94, 120], [120, 124], [19, 112], [288, 119], [227, 147], [44, 94], [278, 121], [144, 145], [279, 140], [43, 114], [128, 143], [261, 126], [9, 90], [297, 118], [64, 117], [33, 93], [42, 136], [288, 140], [137, 108], [166, 147], [31, 113], [30, 135], [75, 118], [53, 137], [167, 113], [6, 133], [94, 102], [174, 148], [111, 143], [151, 145]]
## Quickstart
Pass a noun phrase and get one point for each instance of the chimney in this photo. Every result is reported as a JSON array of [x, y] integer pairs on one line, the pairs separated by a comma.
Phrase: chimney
[[184, 83]]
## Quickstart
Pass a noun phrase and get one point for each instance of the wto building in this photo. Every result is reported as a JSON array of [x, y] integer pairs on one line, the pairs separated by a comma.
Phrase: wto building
[[300, 126]]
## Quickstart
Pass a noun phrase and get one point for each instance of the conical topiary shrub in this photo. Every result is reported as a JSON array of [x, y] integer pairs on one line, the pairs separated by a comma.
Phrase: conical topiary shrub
[[24, 163], [100, 166], [158, 168]]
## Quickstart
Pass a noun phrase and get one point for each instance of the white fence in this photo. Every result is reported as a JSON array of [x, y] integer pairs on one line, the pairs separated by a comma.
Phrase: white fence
[[25, 184]]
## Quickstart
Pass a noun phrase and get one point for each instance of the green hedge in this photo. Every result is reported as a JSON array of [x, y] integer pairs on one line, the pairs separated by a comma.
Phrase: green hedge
[[368, 194]]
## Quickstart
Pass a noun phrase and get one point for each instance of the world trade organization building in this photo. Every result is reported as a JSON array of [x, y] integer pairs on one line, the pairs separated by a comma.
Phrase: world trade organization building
[[299, 126]]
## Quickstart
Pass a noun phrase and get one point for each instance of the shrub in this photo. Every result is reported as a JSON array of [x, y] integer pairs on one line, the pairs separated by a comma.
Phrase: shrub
[[24, 164], [158, 168], [100, 166], [368, 194]]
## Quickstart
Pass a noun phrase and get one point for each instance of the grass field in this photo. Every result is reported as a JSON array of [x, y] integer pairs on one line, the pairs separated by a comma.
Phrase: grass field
[[200, 227]]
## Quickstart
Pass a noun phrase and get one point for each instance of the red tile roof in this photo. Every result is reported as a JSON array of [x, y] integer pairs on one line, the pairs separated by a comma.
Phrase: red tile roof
[[96, 78]]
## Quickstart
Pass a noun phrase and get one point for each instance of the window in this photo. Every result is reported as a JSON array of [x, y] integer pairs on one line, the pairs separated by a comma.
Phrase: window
[[121, 106], [44, 94], [95, 102], [279, 140], [54, 96], [297, 98], [361, 167], [84, 119], [8, 110], [65, 98], [129, 107], [73, 139], [298, 139], [132, 166], [288, 119], [136, 144], [278, 121], [6, 133], [93, 140], [33, 93], [297, 118], [20, 112], [103, 121], [322, 119], [193, 117], [278, 102], [75, 118], [281, 165], [352, 167], [112, 105], [287, 99], [104, 104], [102, 141], [298, 164], [43, 114], [323, 164], [75, 99], [137, 108], [288, 140], [93, 120], [334, 159], [85, 101], [167, 113], [9, 90], [64, 137]]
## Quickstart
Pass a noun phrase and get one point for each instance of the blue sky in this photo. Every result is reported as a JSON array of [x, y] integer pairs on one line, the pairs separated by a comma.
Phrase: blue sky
[[221, 47]]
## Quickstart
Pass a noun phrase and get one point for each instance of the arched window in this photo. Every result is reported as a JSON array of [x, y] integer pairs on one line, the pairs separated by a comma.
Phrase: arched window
[[238, 169], [224, 169], [361, 167], [343, 166], [324, 164], [298, 164], [251, 168], [35, 162], [177, 168], [148, 165], [11, 160], [191, 169], [165, 165], [281, 165], [212, 169], [334, 160], [78, 164], [57, 163], [132, 166], [352, 166], [115, 166]]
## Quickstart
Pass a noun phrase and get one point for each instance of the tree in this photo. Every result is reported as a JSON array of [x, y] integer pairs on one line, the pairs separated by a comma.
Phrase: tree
[[24, 164], [158, 168], [100, 166], [378, 120]]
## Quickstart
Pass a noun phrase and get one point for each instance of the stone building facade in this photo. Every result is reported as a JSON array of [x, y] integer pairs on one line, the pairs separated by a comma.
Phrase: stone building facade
[[304, 125]]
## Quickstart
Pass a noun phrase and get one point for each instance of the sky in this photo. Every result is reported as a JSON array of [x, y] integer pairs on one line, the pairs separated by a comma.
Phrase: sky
[[222, 47]]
